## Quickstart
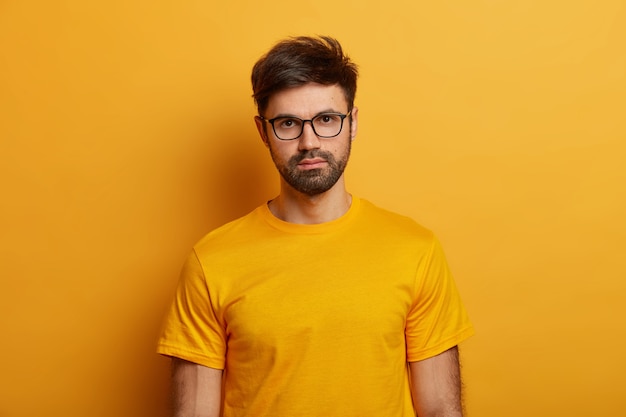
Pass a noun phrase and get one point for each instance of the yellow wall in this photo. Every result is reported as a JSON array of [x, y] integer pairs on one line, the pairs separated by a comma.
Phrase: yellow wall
[[126, 133]]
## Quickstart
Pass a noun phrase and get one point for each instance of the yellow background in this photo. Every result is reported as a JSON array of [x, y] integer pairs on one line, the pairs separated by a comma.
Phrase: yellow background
[[127, 133]]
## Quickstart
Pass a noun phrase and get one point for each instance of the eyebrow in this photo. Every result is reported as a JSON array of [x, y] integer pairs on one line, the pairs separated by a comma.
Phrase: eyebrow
[[330, 110]]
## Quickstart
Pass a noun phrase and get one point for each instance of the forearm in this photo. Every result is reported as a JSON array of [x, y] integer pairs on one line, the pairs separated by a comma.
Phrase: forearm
[[436, 385], [196, 390]]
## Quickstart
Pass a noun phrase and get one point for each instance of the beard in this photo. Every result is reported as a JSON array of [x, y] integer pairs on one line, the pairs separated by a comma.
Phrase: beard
[[314, 181]]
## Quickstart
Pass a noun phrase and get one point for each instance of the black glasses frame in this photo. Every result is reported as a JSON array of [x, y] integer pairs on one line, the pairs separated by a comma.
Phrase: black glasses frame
[[342, 116]]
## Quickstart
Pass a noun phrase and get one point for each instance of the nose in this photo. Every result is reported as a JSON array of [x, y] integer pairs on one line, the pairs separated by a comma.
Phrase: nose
[[308, 139]]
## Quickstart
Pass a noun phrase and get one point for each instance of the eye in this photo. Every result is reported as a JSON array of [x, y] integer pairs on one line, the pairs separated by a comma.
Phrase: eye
[[287, 123], [327, 118]]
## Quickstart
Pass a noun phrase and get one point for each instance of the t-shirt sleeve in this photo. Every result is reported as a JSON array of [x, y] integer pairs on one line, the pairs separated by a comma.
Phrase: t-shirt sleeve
[[437, 320], [192, 330]]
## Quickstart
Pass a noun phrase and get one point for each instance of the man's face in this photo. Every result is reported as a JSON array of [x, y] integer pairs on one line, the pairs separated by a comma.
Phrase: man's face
[[310, 164]]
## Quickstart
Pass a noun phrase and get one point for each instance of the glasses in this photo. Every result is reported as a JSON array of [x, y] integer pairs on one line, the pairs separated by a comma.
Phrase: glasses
[[325, 125]]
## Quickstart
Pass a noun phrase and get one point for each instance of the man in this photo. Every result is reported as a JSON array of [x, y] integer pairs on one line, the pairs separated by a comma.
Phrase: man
[[317, 303]]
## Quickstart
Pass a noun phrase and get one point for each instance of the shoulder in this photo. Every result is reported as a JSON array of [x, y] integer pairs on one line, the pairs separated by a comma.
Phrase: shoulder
[[391, 222], [231, 233]]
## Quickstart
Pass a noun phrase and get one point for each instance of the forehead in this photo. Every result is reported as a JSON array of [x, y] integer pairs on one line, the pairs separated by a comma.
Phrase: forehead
[[307, 100]]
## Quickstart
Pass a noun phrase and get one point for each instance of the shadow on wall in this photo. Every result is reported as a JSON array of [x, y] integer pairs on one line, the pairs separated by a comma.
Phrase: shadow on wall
[[237, 172]]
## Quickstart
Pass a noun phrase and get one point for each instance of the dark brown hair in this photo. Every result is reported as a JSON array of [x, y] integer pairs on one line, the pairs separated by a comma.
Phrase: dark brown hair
[[297, 61]]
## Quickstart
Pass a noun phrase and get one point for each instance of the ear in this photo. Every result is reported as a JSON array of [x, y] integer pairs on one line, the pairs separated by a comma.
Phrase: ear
[[354, 121], [260, 126]]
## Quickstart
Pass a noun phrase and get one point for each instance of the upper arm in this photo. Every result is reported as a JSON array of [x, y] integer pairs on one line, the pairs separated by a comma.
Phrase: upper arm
[[196, 389], [436, 385]]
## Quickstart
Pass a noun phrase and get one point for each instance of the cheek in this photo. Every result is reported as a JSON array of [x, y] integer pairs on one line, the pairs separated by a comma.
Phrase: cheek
[[343, 146], [282, 151]]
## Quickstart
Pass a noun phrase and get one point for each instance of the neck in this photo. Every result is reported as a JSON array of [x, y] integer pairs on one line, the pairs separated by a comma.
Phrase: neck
[[295, 207]]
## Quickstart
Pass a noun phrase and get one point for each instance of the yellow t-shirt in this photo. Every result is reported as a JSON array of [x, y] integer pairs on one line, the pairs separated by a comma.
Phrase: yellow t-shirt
[[315, 320]]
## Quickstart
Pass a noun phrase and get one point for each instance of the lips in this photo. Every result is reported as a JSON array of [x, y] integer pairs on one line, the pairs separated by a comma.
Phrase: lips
[[312, 163]]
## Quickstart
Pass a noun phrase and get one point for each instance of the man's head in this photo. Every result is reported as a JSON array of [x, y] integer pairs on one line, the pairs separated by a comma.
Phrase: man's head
[[304, 89], [301, 60]]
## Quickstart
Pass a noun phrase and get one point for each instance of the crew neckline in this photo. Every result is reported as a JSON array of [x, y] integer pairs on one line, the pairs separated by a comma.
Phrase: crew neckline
[[317, 228]]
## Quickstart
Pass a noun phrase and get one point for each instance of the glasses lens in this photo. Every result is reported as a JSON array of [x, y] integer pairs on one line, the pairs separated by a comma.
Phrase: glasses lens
[[328, 124], [287, 128]]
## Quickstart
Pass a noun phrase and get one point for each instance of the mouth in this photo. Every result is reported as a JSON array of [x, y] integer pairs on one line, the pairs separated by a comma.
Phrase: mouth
[[312, 163]]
